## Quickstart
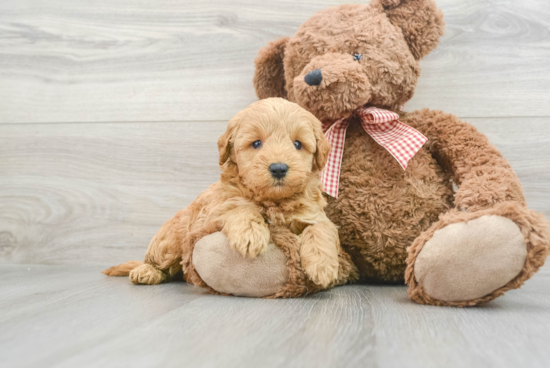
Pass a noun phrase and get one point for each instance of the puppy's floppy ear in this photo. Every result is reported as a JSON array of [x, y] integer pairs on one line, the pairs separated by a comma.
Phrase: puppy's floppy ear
[[420, 20], [323, 147], [269, 77], [225, 142]]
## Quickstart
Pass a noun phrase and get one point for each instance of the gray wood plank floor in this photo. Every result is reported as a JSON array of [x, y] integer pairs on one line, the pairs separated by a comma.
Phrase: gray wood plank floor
[[67, 316]]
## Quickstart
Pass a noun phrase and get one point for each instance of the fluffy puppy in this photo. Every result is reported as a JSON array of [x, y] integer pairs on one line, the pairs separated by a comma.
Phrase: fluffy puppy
[[270, 156]]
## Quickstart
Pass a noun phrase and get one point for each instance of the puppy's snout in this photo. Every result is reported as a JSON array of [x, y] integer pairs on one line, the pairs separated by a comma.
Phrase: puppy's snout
[[278, 170], [314, 78]]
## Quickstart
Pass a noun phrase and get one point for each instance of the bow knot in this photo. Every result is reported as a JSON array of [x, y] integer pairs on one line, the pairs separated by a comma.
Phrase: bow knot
[[400, 140]]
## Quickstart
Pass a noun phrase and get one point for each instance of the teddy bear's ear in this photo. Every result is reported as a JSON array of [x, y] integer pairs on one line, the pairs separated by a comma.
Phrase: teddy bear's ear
[[420, 20], [269, 78]]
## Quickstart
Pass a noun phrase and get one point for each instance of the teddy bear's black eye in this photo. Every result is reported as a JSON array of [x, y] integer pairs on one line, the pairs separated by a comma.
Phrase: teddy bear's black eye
[[298, 145], [256, 144], [357, 57]]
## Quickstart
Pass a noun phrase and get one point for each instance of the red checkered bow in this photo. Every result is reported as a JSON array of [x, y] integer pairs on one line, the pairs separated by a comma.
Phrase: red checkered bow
[[400, 140]]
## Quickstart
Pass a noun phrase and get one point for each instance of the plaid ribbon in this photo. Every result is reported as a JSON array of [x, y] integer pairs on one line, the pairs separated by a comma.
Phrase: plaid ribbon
[[400, 140]]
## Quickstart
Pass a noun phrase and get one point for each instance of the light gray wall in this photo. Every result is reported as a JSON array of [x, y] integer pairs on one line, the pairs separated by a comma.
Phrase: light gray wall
[[110, 110]]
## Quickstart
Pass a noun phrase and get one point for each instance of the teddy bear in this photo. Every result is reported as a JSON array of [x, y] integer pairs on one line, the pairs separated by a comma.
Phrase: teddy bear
[[400, 219]]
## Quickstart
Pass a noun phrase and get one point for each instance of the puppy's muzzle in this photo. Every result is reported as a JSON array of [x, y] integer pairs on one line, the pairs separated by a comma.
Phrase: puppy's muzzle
[[279, 170]]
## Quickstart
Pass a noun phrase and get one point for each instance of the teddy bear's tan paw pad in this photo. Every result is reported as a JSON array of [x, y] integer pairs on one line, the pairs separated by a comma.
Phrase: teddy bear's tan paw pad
[[147, 275], [227, 271], [468, 260]]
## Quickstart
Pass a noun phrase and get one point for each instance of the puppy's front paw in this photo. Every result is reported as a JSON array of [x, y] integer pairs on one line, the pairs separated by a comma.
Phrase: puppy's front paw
[[250, 240], [320, 269]]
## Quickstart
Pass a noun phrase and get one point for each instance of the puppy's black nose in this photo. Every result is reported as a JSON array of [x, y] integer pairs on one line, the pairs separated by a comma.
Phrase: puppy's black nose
[[279, 170], [314, 78]]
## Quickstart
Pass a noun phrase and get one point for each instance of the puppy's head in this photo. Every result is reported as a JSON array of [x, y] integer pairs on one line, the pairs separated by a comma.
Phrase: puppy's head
[[275, 146]]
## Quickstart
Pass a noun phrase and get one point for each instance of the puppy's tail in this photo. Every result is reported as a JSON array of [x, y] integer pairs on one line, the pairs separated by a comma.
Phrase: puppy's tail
[[122, 269]]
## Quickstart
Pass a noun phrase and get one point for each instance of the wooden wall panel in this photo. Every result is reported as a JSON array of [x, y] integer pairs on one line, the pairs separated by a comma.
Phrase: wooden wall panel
[[97, 193], [110, 109], [165, 60], [94, 192]]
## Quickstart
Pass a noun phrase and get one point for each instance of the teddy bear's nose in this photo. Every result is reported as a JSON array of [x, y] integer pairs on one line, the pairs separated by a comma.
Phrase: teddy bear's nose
[[314, 78]]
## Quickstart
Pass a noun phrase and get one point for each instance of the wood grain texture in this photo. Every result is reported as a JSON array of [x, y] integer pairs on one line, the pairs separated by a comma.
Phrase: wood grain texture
[[166, 60], [98, 192], [93, 192], [65, 316]]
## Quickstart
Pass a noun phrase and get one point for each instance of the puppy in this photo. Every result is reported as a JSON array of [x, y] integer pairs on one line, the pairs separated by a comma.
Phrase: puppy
[[270, 156]]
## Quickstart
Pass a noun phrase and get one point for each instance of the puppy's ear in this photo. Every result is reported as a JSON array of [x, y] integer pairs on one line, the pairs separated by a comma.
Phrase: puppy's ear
[[420, 20], [269, 77], [225, 142], [323, 147]]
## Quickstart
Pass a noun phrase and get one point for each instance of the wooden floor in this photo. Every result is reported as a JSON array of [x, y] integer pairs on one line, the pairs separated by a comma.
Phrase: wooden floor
[[109, 115], [66, 316]]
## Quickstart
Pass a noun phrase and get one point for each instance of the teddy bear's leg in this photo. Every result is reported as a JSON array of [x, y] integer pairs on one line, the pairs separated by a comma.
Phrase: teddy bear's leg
[[474, 253], [469, 258], [226, 271], [276, 273]]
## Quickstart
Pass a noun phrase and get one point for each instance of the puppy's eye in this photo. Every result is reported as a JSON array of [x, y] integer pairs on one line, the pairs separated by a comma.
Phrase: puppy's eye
[[257, 144], [357, 57], [298, 145]]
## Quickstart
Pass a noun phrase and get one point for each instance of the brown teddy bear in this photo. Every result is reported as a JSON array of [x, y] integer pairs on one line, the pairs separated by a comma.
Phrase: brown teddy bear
[[452, 248], [409, 225]]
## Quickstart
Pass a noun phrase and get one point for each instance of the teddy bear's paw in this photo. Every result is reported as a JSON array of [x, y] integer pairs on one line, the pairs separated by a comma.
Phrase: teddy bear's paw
[[227, 271], [469, 260], [251, 240], [321, 270], [147, 274]]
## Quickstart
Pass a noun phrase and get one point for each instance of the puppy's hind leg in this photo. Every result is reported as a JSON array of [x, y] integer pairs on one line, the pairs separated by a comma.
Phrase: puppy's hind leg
[[163, 257], [139, 272], [147, 274]]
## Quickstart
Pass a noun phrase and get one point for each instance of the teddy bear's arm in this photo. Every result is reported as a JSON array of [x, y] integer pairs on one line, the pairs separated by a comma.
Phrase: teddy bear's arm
[[483, 176]]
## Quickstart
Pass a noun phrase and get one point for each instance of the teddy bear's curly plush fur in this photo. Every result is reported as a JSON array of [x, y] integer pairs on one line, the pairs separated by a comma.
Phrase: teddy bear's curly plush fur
[[451, 248]]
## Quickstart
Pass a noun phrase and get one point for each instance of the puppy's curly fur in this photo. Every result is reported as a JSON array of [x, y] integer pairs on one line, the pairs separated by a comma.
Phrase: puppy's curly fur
[[249, 199]]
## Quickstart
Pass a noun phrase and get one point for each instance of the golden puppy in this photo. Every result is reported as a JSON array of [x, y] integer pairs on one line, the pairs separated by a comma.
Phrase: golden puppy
[[270, 156]]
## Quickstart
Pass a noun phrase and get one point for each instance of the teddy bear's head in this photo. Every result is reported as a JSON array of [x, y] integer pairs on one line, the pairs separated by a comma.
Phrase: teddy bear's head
[[350, 55]]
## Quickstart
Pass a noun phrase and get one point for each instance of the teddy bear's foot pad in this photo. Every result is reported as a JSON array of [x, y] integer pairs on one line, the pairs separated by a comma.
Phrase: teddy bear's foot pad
[[468, 260], [225, 270]]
